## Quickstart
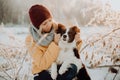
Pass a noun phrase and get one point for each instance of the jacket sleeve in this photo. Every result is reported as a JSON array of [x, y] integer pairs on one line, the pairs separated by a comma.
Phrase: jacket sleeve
[[42, 56], [49, 56], [78, 45]]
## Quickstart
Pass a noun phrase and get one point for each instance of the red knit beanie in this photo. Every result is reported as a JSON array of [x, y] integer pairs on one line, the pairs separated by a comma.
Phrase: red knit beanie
[[38, 14]]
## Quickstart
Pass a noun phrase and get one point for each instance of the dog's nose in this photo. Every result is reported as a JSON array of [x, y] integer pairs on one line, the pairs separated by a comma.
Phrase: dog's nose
[[64, 36]]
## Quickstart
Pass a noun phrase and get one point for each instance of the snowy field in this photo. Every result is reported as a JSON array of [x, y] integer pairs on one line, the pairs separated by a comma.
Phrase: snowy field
[[15, 62]]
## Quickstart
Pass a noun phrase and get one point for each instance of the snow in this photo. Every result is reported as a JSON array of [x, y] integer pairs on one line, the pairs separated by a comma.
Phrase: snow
[[8, 36], [87, 32]]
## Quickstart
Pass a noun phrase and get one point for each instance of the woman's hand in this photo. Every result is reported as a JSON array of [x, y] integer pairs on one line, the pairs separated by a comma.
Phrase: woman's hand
[[56, 38], [77, 37]]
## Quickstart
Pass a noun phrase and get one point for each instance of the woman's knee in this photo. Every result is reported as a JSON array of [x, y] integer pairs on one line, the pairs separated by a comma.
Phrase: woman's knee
[[44, 75]]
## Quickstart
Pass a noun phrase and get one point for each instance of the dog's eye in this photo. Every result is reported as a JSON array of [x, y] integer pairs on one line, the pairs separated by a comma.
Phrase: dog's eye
[[69, 33], [63, 31]]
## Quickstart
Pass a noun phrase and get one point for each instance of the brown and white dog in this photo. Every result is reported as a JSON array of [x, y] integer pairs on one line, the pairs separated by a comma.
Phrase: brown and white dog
[[68, 54]]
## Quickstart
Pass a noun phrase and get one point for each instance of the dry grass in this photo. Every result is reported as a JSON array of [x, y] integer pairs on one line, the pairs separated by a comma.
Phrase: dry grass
[[105, 43], [15, 63], [105, 17], [104, 48]]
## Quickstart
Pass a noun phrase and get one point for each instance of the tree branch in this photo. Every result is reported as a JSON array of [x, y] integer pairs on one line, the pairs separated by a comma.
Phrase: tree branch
[[104, 66]]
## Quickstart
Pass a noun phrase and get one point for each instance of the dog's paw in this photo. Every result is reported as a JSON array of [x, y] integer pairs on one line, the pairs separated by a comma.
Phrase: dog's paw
[[62, 70], [54, 76], [54, 71]]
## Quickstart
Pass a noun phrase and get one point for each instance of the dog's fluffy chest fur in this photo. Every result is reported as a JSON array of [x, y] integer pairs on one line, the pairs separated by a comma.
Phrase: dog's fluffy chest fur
[[66, 51], [65, 54]]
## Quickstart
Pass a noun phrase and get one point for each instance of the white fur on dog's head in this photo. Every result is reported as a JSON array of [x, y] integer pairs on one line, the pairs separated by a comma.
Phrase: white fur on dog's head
[[67, 39]]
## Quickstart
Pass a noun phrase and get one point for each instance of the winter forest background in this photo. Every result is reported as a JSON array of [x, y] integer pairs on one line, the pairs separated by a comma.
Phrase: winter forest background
[[99, 21]]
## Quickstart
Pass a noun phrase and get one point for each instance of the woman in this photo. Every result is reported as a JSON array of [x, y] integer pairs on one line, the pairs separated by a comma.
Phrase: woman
[[42, 41]]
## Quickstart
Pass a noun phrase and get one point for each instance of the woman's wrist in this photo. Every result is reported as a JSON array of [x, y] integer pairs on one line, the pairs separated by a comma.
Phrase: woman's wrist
[[56, 43]]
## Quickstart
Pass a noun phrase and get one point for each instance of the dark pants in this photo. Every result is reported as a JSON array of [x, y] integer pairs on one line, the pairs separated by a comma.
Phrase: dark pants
[[83, 75], [68, 75], [44, 75]]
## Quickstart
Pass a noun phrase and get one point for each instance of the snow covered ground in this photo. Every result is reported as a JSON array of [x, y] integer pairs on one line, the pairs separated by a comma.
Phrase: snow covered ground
[[15, 36]]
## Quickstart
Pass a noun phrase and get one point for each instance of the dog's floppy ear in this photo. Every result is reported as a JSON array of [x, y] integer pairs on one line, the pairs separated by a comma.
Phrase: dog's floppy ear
[[76, 29], [60, 28]]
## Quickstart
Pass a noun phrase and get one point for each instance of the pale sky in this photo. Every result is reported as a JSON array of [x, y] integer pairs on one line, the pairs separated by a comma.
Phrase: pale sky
[[115, 4]]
